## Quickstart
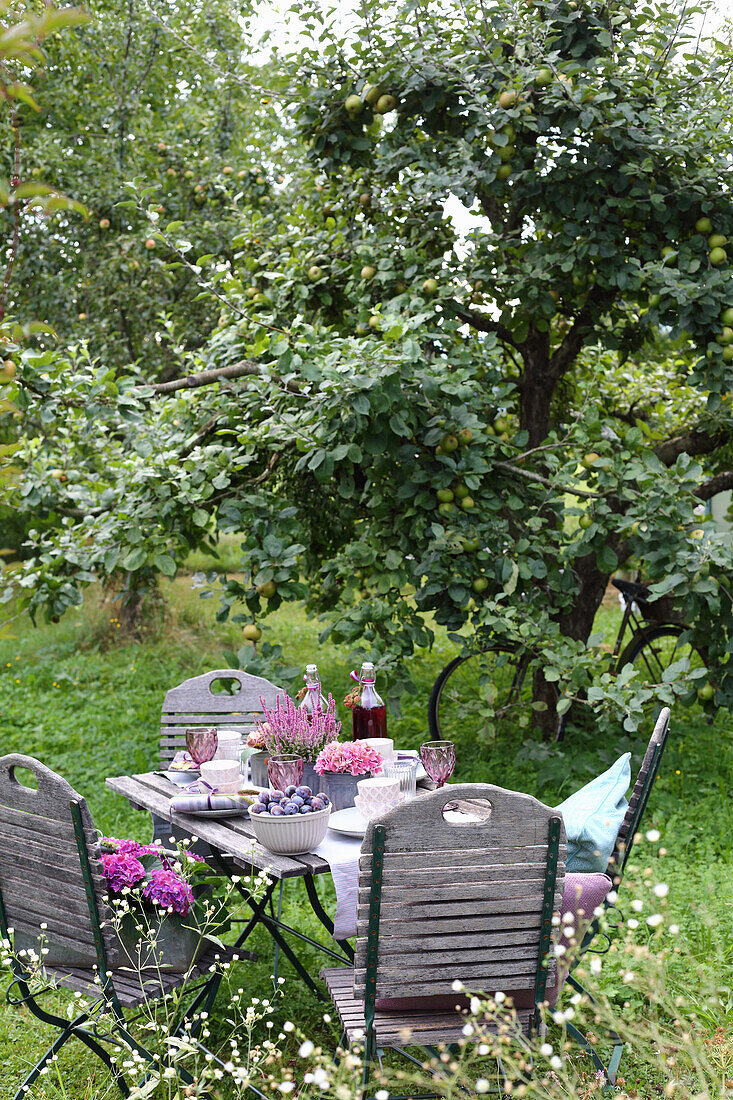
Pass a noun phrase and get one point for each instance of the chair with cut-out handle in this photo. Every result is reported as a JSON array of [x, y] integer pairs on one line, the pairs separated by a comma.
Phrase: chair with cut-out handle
[[440, 901], [53, 897], [195, 703]]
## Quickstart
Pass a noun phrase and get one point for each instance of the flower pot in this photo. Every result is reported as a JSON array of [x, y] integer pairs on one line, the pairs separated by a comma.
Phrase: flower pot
[[259, 777], [167, 941], [341, 788], [311, 778], [258, 769]]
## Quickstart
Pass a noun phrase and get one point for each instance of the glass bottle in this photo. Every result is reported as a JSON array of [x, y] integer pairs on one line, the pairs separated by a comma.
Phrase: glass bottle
[[313, 696], [369, 716]]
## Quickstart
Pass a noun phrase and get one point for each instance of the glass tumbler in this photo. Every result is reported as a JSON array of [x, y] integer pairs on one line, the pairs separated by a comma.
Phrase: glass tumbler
[[284, 770], [244, 755], [405, 771]]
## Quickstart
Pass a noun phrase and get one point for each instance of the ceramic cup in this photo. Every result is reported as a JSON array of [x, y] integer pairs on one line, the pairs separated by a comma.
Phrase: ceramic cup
[[377, 796], [222, 774], [383, 745], [232, 740]]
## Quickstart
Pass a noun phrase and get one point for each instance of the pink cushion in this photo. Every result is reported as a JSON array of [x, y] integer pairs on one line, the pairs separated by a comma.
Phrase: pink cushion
[[582, 894]]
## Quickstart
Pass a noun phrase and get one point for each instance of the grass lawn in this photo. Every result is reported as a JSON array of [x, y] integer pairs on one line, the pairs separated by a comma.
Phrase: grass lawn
[[87, 702]]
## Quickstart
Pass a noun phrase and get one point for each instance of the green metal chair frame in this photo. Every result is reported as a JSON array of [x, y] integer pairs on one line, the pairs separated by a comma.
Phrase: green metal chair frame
[[34, 812]]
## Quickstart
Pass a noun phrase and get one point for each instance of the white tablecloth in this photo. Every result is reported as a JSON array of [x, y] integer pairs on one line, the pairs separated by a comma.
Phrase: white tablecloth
[[342, 853]]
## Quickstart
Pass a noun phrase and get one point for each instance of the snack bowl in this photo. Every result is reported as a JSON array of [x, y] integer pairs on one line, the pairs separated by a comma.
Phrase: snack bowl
[[290, 836]]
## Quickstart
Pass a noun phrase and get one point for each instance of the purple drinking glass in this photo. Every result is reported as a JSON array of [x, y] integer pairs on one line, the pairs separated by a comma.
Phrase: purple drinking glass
[[439, 760], [202, 743], [284, 769]]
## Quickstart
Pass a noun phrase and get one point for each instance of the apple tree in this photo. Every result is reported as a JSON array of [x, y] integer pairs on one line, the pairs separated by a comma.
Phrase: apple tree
[[476, 358]]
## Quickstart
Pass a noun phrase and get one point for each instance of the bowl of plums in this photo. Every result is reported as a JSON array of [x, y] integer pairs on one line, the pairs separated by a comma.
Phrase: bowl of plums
[[290, 822]]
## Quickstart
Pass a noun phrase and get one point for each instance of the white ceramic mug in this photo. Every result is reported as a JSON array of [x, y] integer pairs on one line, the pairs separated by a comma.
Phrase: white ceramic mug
[[383, 745]]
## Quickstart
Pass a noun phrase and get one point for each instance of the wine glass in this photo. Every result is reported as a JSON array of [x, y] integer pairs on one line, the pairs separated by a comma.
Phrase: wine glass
[[439, 760], [202, 743], [284, 769]]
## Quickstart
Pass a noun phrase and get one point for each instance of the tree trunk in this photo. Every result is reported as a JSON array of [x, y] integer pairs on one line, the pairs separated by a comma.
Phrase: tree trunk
[[537, 387]]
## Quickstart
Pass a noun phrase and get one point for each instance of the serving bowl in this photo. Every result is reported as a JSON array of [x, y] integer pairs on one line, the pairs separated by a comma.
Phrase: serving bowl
[[291, 836]]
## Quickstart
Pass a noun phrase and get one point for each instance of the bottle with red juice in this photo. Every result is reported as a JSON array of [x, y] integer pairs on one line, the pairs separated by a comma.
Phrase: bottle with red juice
[[369, 715]]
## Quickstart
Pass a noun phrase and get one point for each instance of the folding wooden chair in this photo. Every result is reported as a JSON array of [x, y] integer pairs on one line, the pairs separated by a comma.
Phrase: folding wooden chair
[[440, 901], [50, 874], [622, 849], [195, 703]]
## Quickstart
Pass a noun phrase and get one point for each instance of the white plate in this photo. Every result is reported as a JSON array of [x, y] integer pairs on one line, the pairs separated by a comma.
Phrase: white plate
[[348, 822], [215, 813], [182, 779]]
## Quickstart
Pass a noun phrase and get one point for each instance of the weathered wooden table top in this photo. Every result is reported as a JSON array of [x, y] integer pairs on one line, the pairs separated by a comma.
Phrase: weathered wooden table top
[[232, 836]]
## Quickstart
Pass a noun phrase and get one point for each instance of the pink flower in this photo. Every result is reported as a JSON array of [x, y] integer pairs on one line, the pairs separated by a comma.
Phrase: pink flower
[[121, 870], [168, 889], [355, 757], [293, 729], [257, 739]]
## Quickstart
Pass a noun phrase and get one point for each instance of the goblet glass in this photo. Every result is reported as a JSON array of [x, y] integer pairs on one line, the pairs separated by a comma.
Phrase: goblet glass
[[439, 760], [202, 743], [284, 769]]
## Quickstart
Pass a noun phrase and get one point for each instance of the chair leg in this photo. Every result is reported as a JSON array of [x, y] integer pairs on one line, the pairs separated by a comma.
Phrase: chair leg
[[43, 1061], [610, 1073]]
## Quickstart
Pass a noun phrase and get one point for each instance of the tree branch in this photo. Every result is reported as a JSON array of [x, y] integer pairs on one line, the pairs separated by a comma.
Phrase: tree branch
[[717, 484], [566, 354], [481, 322], [510, 469], [691, 443], [206, 378]]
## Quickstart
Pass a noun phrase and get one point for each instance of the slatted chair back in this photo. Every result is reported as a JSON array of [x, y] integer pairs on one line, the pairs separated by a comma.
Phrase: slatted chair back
[[440, 901], [640, 795], [193, 703], [44, 854]]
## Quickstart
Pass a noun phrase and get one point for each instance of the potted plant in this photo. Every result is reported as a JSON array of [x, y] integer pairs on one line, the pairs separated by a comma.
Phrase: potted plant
[[341, 765], [256, 739], [155, 896], [288, 728]]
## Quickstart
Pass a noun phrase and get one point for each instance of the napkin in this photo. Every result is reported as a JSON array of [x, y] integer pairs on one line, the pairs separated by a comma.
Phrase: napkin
[[200, 797]]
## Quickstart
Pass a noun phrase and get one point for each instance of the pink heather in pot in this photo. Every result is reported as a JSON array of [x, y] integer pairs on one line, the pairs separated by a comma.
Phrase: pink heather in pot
[[292, 729], [355, 757]]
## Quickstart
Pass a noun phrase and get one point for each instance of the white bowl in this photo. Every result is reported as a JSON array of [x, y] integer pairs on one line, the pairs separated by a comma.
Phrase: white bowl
[[291, 835]]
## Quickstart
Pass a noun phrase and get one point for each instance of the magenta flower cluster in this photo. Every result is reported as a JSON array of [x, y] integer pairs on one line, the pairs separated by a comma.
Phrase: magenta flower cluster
[[292, 729], [355, 757], [120, 870], [168, 889]]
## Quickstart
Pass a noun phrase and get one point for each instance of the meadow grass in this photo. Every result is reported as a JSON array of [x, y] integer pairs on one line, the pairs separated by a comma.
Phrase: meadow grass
[[86, 700]]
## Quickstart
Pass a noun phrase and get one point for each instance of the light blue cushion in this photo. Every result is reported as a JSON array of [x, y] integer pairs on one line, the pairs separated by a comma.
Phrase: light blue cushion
[[593, 817]]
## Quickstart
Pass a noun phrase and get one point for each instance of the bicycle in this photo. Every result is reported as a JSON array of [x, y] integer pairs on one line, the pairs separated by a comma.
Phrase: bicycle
[[483, 692]]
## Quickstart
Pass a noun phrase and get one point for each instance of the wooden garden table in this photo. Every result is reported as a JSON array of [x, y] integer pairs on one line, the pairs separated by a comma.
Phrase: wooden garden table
[[234, 848]]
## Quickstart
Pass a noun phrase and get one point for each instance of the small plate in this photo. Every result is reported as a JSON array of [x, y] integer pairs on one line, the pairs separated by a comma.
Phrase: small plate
[[348, 822], [239, 812], [182, 779]]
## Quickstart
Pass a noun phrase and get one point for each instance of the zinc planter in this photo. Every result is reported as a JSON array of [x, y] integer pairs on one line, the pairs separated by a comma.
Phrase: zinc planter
[[177, 941], [341, 787]]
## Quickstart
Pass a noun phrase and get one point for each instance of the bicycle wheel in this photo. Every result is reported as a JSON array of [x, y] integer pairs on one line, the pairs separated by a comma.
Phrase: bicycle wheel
[[477, 699], [654, 649]]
